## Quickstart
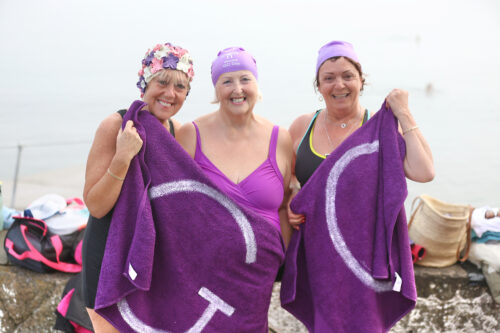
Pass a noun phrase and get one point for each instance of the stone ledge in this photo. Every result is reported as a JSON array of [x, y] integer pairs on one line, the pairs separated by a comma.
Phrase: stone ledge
[[28, 299], [449, 301], [444, 282]]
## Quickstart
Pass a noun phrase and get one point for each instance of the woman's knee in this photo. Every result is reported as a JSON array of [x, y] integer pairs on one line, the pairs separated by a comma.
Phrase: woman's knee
[[100, 324]]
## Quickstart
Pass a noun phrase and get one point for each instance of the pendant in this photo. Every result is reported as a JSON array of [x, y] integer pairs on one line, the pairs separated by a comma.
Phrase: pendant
[[343, 125]]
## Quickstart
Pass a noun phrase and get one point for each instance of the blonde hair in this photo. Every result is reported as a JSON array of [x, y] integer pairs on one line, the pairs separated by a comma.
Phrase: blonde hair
[[172, 75]]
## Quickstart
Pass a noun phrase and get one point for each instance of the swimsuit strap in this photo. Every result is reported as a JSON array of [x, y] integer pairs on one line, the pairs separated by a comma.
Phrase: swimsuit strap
[[198, 141], [171, 127], [306, 135], [273, 144]]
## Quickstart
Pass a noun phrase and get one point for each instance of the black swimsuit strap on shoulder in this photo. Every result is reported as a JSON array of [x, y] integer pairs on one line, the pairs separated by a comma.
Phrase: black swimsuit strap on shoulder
[[122, 112], [307, 161], [170, 123], [171, 127]]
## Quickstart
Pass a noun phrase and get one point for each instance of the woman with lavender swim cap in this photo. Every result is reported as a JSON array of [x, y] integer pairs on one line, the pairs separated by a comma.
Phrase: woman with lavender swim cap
[[164, 82], [244, 154], [340, 80]]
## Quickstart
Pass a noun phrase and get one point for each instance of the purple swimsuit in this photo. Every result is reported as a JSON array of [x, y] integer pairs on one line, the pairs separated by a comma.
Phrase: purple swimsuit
[[261, 191]]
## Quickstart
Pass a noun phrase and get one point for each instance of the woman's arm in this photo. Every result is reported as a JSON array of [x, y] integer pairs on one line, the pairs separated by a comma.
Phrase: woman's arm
[[108, 162], [418, 162], [284, 156], [177, 126], [297, 131], [186, 136]]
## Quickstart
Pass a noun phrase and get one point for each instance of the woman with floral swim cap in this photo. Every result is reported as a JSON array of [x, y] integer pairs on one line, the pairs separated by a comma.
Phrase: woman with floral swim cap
[[244, 154], [164, 82], [340, 80]]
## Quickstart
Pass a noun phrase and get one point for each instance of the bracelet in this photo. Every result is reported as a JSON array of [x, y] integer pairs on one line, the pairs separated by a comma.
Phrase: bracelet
[[115, 176], [410, 129]]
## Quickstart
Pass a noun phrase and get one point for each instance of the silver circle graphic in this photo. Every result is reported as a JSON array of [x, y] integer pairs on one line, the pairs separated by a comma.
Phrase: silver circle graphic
[[331, 217], [236, 213], [251, 246]]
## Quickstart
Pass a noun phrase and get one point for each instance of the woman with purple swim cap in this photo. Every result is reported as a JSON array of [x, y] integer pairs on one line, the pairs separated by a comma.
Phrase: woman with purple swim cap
[[164, 82], [340, 80], [244, 154]]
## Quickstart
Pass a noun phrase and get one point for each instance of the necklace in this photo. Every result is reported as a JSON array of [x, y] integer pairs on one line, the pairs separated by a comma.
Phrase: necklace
[[328, 135], [342, 125]]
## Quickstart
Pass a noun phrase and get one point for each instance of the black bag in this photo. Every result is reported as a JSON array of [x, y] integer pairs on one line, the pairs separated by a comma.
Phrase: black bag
[[30, 244], [71, 313]]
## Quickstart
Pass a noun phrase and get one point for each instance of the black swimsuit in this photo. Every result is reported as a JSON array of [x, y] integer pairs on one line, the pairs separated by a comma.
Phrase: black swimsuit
[[308, 160], [94, 243]]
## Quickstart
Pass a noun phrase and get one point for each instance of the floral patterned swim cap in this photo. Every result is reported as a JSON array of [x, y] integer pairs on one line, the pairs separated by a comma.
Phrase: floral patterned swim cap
[[163, 57]]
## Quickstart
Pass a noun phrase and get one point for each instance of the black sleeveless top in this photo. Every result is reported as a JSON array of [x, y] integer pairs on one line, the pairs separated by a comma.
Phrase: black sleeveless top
[[308, 160], [94, 243]]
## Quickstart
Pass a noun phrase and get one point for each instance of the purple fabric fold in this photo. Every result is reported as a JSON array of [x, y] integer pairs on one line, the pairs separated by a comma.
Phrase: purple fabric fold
[[180, 255], [349, 268]]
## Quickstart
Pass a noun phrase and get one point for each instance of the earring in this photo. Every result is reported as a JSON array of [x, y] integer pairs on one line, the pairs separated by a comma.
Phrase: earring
[[320, 98]]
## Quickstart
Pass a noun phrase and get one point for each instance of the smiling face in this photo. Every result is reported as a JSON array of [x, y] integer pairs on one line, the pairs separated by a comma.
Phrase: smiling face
[[237, 91], [340, 84], [165, 93]]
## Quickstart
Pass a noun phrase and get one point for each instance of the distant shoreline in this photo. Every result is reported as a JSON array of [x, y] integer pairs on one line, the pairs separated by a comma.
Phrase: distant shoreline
[[67, 182]]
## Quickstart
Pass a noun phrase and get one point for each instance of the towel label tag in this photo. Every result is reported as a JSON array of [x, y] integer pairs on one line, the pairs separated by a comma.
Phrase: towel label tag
[[397, 283], [131, 272]]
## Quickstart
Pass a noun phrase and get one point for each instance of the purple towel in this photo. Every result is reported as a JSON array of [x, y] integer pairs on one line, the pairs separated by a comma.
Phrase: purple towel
[[349, 267], [180, 255]]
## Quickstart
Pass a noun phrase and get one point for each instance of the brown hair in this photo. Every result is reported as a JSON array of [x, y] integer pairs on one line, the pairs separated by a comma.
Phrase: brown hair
[[354, 63]]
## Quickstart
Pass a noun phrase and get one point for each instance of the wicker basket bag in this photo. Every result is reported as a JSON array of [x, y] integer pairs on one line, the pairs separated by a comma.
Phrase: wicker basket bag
[[443, 229]]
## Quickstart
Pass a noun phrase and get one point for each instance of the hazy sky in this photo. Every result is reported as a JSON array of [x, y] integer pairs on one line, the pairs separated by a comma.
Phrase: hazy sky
[[91, 50], [65, 65]]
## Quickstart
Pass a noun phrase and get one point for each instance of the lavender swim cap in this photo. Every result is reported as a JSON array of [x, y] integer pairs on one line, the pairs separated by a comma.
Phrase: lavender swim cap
[[233, 59], [335, 49]]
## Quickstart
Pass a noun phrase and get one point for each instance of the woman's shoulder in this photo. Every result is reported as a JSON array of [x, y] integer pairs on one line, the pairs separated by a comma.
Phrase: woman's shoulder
[[263, 121], [299, 126], [267, 126], [186, 137], [303, 120], [284, 139], [111, 123], [177, 124], [205, 120]]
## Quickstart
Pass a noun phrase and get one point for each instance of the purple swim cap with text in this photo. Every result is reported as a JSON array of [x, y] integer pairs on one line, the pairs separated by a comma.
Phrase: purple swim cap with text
[[233, 59]]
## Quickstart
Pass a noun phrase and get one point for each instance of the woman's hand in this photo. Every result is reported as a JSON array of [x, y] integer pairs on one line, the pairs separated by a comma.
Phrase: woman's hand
[[113, 150], [128, 142], [397, 101], [295, 220], [418, 162]]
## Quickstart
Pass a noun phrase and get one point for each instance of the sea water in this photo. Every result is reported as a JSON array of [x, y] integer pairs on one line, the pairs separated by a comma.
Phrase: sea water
[[48, 116]]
